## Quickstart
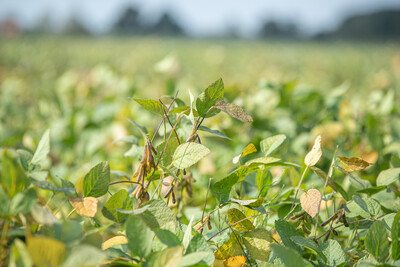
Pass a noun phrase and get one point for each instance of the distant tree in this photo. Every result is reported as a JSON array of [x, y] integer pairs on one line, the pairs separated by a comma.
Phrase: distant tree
[[129, 23], [166, 26], [274, 29], [74, 26]]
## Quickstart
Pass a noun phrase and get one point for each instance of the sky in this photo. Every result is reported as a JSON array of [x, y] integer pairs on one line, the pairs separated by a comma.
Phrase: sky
[[199, 18]]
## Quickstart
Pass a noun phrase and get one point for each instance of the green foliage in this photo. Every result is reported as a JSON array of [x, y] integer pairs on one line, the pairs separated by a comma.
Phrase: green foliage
[[209, 98], [96, 180], [377, 242], [119, 200], [188, 154]]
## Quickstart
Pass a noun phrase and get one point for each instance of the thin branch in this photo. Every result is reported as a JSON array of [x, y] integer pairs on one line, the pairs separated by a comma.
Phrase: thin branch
[[121, 182], [361, 220], [297, 191], [166, 116], [235, 224], [205, 203]]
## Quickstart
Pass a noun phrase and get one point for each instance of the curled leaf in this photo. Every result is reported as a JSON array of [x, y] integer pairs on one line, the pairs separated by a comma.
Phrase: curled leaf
[[310, 201], [353, 164], [86, 206], [315, 154]]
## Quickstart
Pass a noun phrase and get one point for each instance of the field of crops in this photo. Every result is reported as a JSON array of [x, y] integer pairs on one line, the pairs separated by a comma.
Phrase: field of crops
[[87, 192]]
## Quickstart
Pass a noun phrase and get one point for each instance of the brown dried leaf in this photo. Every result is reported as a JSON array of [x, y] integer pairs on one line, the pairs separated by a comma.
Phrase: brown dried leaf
[[237, 261], [233, 111], [310, 200], [86, 207], [315, 154], [353, 164]]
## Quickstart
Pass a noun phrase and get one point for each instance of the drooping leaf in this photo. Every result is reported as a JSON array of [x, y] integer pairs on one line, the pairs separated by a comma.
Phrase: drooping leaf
[[396, 237], [376, 241], [139, 236], [287, 255], [95, 183], [209, 98], [113, 241], [286, 231], [85, 255], [269, 144], [353, 164], [170, 257], [234, 111], [86, 206], [42, 150], [315, 154], [333, 252], [13, 176], [119, 200], [151, 105], [45, 251], [230, 248], [214, 132], [235, 215], [387, 177], [310, 201], [188, 154], [257, 243]]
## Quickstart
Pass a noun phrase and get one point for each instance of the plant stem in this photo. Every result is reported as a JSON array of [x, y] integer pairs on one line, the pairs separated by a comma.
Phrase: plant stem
[[205, 203], [166, 116], [297, 191], [124, 181]]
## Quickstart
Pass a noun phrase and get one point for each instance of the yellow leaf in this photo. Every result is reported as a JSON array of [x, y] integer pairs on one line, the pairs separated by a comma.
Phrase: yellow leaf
[[235, 215], [248, 150], [353, 164], [229, 249], [86, 207], [315, 154], [116, 240], [237, 261], [310, 200], [46, 251]]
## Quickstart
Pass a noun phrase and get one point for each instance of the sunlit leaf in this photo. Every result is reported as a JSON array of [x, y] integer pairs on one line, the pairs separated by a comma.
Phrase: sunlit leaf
[[139, 236], [113, 241], [333, 252], [95, 183], [12, 175], [85, 255], [236, 261], [229, 249], [170, 257], [209, 98], [269, 144], [288, 256], [45, 251], [257, 243], [323, 175], [310, 201], [234, 111], [43, 216], [119, 200], [235, 215], [315, 154], [188, 154], [42, 150], [199, 244], [151, 105], [387, 177], [222, 188], [353, 164], [214, 132], [86, 206]]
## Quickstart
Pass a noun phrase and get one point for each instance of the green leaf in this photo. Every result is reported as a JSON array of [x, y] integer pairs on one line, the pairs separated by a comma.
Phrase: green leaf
[[287, 255], [67, 231], [141, 128], [333, 253], [396, 237], [12, 175], [286, 231], [43, 216], [170, 257], [49, 186], [188, 235], [387, 177], [233, 110], [25, 157], [214, 132], [166, 159], [95, 183], [307, 243], [199, 244], [119, 200], [5, 203], [188, 154], [257, 243], [223, 187], [376, 241], [209, 98], [23, 202], [269, 144], [151, 105], [45, 251], [249, 203], [193, 258], [235, 215], [167, 237], [364, 207], [85, 255], [19, 255], [372, 190], [42, 150], [139, 236]]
